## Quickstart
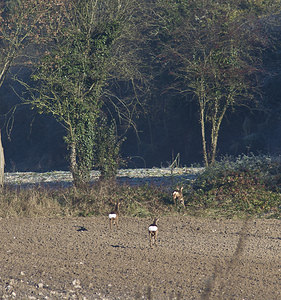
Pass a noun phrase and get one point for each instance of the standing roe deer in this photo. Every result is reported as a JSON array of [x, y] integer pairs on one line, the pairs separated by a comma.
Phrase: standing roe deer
[[153, 232], [178, 196], [114, 215]]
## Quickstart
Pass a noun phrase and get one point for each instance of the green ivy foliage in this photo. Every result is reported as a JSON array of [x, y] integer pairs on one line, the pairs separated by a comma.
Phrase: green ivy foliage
[[71, 79], [107, 150]]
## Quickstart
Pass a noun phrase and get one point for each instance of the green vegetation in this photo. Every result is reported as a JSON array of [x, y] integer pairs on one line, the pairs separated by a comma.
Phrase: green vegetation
[[71, 80], [88, 61], [94, 59], [246, 186]]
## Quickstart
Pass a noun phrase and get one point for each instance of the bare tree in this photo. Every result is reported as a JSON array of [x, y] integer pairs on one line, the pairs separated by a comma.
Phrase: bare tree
[[212, 49], [20, 22]]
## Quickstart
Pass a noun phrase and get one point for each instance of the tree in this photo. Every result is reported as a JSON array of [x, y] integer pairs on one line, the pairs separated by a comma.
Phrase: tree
[[20, 22], [25, 24], [213, 50], [72, 78]]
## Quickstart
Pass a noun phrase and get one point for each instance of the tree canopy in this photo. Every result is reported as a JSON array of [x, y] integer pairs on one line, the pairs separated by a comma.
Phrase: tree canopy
[[92, 60]]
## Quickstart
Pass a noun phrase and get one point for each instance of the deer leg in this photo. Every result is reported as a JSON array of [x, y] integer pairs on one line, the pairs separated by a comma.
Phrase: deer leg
[[182, 202], [150, 239]]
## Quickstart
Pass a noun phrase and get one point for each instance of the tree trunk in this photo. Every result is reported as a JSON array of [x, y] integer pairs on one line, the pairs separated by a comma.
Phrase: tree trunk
[[73, 163], [215, 136], [217, 120], [2, 163], [203, 134]]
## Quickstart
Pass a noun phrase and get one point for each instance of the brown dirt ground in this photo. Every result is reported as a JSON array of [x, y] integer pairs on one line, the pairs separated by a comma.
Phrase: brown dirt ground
[[49, 258]]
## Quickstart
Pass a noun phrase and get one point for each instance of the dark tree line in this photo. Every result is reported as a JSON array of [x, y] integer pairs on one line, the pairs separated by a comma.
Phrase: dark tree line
[[141, 80]]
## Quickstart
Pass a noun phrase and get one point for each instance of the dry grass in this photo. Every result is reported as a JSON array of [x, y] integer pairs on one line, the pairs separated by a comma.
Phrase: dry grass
[[217, 192], [28, 203], [95, 200]]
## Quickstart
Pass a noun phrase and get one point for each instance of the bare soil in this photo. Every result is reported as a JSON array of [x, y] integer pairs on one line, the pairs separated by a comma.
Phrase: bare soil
[[196, 258]]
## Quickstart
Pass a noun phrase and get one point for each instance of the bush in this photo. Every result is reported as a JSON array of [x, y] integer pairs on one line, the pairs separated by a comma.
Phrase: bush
[[249, 184]]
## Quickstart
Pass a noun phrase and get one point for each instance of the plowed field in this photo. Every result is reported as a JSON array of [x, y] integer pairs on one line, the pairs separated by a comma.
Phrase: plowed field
[[80, 258]]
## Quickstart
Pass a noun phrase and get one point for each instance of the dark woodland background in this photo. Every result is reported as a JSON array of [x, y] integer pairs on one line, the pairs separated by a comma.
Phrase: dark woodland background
[[34, 142], [167, 127]]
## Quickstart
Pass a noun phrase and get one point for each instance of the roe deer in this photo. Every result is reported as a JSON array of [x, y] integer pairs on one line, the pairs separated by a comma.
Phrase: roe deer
[[114, 215], [153, 232], [178, 196]]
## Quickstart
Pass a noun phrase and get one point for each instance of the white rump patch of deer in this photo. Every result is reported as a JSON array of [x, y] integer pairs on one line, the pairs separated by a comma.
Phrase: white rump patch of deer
[[152, 228], [112, 216]]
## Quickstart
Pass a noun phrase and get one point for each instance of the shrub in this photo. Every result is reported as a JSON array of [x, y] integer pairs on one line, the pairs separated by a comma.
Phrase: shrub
[[250, 184]]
